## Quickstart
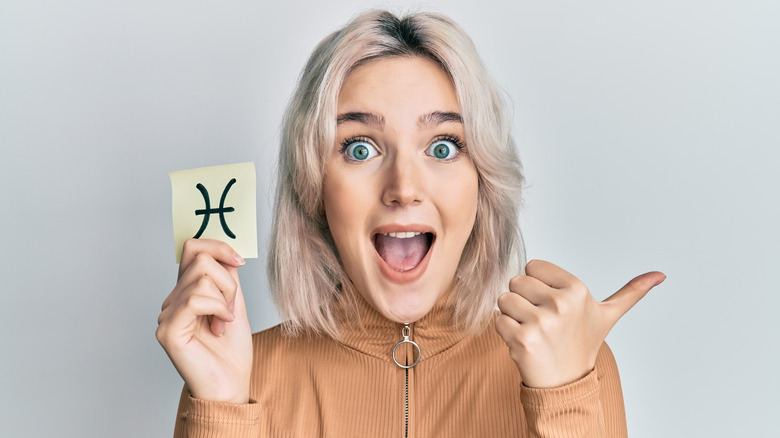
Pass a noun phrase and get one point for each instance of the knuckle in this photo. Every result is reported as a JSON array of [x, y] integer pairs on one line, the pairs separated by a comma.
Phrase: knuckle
[[500, 322], [161, 334], [218, 247], [634, 286], [169, 299], [504, 299], [546, 324], [580, 298], [192, 301], [533, 318], [521, 339], [201, 259], [559, 303], [531, 265], [579, 288], [189, 245], [528, 339], [518, 338], [517, 282], [203, 282], [225, 248], [513, 336], [503, 325]]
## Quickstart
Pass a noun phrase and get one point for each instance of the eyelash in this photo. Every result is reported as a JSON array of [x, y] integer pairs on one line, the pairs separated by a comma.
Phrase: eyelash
[[345, 144], [447, 137], [451, 138]]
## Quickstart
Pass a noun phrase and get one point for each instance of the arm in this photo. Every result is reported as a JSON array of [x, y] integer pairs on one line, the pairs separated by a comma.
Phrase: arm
[[591, 407], [555, 332], [201, 418], [204, 329]]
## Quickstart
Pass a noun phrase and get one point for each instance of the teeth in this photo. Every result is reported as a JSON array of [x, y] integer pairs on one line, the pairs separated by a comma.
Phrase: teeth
[[404, 235]]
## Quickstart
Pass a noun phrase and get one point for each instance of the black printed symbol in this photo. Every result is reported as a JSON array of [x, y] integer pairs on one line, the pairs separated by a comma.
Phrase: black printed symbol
[[221, 210]]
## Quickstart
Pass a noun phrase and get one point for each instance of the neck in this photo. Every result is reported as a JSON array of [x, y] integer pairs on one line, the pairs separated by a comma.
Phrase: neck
[[368, 331]]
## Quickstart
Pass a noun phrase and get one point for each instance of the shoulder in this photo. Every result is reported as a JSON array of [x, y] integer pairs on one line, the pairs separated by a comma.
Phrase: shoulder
[[275, 343], [270, 334], [273, 338]]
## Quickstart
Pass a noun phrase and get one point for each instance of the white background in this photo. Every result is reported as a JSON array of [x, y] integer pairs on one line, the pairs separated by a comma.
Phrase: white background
[[649, 136]]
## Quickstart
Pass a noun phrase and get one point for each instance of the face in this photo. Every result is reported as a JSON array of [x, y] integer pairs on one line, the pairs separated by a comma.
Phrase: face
[[400, 192]]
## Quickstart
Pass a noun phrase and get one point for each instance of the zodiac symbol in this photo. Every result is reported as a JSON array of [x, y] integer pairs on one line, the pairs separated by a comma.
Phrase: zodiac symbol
[[206, 212]]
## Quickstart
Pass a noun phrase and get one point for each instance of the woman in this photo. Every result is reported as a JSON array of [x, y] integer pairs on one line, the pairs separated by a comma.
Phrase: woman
[[395, 233]]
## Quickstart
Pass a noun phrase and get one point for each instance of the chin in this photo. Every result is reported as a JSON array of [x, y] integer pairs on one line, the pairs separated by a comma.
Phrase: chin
[[406, 309], [407, 317]]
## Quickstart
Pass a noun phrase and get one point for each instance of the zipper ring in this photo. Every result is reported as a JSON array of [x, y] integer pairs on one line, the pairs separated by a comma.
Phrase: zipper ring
[[407, 341]]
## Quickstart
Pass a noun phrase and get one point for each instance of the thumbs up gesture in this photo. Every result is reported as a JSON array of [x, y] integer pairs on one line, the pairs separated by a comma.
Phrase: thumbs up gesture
[[553, 325]]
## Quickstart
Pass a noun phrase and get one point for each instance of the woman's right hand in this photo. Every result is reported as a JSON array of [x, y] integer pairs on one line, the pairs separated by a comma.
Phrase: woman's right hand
[[203, 325]]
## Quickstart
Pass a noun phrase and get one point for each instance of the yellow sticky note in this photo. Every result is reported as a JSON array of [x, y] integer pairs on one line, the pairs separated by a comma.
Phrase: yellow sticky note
[[216, 203]]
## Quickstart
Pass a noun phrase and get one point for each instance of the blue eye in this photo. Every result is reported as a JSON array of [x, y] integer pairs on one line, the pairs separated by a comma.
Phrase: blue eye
[[360, 151], [442, 150]]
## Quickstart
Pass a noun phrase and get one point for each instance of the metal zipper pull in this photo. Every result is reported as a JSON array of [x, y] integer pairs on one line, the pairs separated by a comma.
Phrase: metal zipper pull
[[406, 332]]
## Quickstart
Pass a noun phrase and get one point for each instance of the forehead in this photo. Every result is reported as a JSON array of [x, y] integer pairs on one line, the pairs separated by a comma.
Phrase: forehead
[[403, 84]]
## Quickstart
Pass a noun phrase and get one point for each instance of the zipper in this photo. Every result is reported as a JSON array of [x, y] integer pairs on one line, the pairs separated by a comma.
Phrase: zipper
[[406, 333], [406, 405]]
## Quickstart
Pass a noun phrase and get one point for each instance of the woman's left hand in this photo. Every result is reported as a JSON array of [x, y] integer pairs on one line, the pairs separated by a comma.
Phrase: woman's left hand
[[553, 325]]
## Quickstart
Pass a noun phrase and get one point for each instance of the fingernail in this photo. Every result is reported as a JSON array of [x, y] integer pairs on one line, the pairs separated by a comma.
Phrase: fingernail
[[238, 259], [232, 306], [660, 281], [232, 315]]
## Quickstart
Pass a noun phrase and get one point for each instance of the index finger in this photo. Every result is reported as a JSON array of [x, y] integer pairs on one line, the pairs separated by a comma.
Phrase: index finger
[[550, 274], [220, 251]]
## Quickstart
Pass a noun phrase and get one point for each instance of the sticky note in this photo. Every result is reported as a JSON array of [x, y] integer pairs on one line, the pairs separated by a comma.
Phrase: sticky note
[[216, 202]]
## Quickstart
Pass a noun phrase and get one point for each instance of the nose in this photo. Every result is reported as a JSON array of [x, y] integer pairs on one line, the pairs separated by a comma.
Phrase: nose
[[402, 183]]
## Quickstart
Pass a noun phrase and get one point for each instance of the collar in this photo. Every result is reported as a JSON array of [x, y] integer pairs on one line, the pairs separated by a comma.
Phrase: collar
[[373, 334]]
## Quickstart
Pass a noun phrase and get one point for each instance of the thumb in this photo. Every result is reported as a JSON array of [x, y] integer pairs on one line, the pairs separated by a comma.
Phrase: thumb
[[621, 301]]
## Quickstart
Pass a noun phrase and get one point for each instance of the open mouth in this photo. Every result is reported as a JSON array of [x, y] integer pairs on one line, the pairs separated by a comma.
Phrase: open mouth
[[403, 251]]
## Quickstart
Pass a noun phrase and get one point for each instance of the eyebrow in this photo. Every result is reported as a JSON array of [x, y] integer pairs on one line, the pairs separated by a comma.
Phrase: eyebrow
[[436, 118], [370, 119], [431, 119]]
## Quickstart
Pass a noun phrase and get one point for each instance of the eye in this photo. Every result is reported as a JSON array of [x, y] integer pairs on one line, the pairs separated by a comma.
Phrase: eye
[[359, 150], [443, 149]]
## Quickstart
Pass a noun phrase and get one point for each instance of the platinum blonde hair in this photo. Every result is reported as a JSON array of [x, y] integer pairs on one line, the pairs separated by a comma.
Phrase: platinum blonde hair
[[307, 279]]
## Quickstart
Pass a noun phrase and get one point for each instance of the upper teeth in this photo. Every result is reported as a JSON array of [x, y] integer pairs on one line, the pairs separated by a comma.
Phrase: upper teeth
[[404, 235]]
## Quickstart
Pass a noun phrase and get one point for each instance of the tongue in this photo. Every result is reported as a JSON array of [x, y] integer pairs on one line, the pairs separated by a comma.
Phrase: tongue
[[402, 254]]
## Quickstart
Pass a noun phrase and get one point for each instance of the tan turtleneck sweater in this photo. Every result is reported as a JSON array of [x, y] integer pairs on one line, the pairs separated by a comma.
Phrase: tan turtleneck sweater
[[313, 386]]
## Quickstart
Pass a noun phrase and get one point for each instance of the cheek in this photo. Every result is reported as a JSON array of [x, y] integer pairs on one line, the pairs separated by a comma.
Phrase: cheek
[[344, 204], [347, 191], [336, 204], [460, 196]]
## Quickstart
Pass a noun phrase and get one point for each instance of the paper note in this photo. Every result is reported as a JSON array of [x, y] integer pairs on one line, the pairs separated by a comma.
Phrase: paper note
[[216, 203]]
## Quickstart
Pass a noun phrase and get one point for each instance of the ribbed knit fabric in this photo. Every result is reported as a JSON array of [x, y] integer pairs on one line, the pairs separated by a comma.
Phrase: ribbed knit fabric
[[313, 386]]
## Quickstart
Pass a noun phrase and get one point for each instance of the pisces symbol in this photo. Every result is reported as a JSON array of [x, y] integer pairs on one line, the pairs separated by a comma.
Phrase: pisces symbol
[[206, 212]]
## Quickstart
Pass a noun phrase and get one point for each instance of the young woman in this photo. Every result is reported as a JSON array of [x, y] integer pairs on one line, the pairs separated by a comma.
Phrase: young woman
[[395, 237]]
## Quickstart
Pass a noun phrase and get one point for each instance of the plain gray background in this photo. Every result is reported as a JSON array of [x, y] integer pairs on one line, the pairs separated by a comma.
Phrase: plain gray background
[[649, 136]]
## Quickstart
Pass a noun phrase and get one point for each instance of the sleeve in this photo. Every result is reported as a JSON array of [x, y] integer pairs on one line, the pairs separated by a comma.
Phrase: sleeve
[[200, 418], [591, 407]]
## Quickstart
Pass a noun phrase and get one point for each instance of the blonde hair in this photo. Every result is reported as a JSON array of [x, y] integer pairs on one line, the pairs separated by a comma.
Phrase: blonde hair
[[306, 275]]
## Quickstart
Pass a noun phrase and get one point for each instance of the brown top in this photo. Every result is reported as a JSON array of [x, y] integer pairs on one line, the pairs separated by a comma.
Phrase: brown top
[[311, 386]]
